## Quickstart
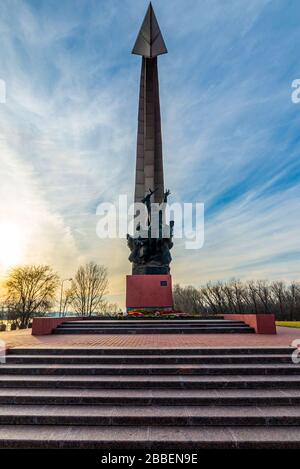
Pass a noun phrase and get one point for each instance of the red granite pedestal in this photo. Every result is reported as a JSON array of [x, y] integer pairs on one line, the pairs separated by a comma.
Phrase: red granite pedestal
[[149, 291]]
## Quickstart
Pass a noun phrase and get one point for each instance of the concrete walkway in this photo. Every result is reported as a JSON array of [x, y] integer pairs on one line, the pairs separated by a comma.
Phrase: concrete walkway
[[284, 337]]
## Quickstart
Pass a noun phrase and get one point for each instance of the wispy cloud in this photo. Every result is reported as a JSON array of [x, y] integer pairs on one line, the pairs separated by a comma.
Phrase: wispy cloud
[[231, 132]]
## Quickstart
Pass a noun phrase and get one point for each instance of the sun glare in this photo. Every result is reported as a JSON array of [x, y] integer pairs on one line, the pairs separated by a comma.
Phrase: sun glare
[[11, 244]]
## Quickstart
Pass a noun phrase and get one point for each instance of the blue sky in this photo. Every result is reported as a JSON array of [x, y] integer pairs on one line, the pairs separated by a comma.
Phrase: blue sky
[[231, 132]]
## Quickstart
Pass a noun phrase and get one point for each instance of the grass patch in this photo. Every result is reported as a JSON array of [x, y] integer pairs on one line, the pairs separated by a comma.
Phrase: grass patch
[[288, 323]]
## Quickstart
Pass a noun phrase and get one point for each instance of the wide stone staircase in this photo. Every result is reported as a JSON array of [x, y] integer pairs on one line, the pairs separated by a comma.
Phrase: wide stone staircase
[[163, 398], [154, 326]]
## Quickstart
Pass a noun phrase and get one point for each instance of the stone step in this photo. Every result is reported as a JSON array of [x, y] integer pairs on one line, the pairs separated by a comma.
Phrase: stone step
[[167, 398], [152, 351], [148, 438], [104, 318], [150, 382], [183, 369], [156, 330], [149, 397], [150, 321], [148, 359], [155, 323], [151, 328], [107, 415]]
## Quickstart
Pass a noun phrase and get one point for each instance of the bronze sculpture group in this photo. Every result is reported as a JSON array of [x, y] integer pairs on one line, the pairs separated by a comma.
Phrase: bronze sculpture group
[[150, 254]]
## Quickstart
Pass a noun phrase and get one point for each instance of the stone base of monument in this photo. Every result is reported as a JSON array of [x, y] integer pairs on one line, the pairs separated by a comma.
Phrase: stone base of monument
[[149, 292]]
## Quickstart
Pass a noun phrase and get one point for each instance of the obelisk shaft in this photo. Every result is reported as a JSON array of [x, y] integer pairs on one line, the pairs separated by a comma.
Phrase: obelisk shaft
[[149, 162]]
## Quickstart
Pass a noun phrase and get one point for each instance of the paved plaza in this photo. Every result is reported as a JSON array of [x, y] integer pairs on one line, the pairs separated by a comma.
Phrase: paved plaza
[[23, 338]]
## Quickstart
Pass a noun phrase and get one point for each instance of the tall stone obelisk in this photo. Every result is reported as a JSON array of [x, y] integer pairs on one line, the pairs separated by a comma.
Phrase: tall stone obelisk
[[149, 161], [150, 285]]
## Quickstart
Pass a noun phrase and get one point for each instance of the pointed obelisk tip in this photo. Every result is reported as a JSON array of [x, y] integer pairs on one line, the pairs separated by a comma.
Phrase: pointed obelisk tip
[[150, 42]]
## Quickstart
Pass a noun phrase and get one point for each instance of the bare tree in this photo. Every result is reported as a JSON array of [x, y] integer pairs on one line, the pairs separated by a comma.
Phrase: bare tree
[[293, 301], [278, 291], [111, 309], [188, 299], [30, 292], [233, 296], [264, 294], [252, 297], [214, 295], [239, 294], [67, 298], [88, 289]]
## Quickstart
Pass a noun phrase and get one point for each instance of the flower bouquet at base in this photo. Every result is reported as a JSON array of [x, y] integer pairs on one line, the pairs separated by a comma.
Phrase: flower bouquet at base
[[156, 313]]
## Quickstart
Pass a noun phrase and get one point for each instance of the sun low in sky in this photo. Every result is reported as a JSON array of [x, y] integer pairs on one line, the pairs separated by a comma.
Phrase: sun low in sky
[[12, 245]]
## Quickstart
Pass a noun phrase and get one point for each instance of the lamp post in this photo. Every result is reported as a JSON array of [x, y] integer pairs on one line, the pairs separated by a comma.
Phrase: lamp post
[[61, 293]]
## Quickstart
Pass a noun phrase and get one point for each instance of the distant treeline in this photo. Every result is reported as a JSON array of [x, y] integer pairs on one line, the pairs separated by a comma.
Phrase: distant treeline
[[236, 297]]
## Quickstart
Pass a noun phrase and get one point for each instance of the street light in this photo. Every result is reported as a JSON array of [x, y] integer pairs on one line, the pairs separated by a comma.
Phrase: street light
[[61, 293]]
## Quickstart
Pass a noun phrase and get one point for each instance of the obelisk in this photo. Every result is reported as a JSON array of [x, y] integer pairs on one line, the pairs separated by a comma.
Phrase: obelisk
[[149, 160], [150, 285]]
